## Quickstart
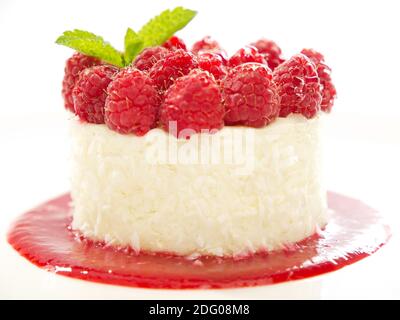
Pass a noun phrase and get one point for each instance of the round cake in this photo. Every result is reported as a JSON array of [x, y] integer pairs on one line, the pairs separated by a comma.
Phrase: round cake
[[126, 194], [185, 151]]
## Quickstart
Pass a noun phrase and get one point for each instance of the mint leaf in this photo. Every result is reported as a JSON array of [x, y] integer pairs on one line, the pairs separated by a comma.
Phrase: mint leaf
[[164, 26], [91, 45], [133, 45], [157, 31]]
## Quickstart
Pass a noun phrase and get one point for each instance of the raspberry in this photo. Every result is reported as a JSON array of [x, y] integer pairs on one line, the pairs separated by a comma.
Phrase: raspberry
[[175, 64], [271, 51], [73, 67], [212, 63], [148, 57], [246, 54], [132, 103], [298, 86], [207, 44], [174, 43], [313, 55], [324, 74], [89, 93], [194, 102], [249, 95]]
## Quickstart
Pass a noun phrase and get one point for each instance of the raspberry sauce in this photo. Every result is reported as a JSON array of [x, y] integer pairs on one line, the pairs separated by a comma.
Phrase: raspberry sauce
[[43, 236]]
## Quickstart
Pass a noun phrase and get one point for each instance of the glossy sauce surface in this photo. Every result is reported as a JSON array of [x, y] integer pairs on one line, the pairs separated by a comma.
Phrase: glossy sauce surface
[[43, 236]]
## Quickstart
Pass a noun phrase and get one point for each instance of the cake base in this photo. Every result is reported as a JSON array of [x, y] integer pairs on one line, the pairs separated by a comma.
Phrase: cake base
[[129, 190], [43, 236]]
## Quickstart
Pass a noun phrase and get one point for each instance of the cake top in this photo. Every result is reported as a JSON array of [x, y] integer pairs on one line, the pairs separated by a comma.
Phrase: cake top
[[158, 82]]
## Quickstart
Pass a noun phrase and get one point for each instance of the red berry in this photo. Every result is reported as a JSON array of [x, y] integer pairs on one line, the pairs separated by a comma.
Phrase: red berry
[[148, 57], [194, 102], [250, 97], [298, 86], [324, 74], [212, 63], [207, 44], [73, 67], [246, 54], [174, 43], [271, 52], [89, 93], [175, 64], [313, 55], [132, 103]]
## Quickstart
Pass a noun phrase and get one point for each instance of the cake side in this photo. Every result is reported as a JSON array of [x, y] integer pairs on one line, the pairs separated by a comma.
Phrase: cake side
[[123, 196]]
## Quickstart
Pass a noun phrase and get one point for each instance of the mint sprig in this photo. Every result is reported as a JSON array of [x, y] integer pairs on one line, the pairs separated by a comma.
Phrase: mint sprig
[[164, 26], [154, 33], [133, 45], [91, 45]]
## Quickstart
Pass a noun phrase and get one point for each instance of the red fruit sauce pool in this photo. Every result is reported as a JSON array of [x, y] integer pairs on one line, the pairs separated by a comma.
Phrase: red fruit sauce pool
[[43, 236]]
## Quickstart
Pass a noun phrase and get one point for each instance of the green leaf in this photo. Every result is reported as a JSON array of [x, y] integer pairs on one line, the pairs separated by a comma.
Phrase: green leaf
[[133, 45], [164, 26], [91, 45]]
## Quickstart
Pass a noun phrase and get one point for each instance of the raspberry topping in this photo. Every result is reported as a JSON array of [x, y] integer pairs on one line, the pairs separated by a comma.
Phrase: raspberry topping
[[207, 44], [73, 67], [249, 95], [148, 57], [246, 54], [298, 86], [271, 52], [212, 63], [89, 93], [324, 74], [132, 103], [193, 102], [174, 43], [174, 65]]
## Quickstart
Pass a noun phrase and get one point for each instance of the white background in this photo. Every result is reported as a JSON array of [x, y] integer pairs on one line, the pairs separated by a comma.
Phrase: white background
[[359, 39]]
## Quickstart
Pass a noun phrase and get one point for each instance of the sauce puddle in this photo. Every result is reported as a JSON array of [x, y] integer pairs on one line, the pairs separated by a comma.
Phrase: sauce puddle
[[43, 236]]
